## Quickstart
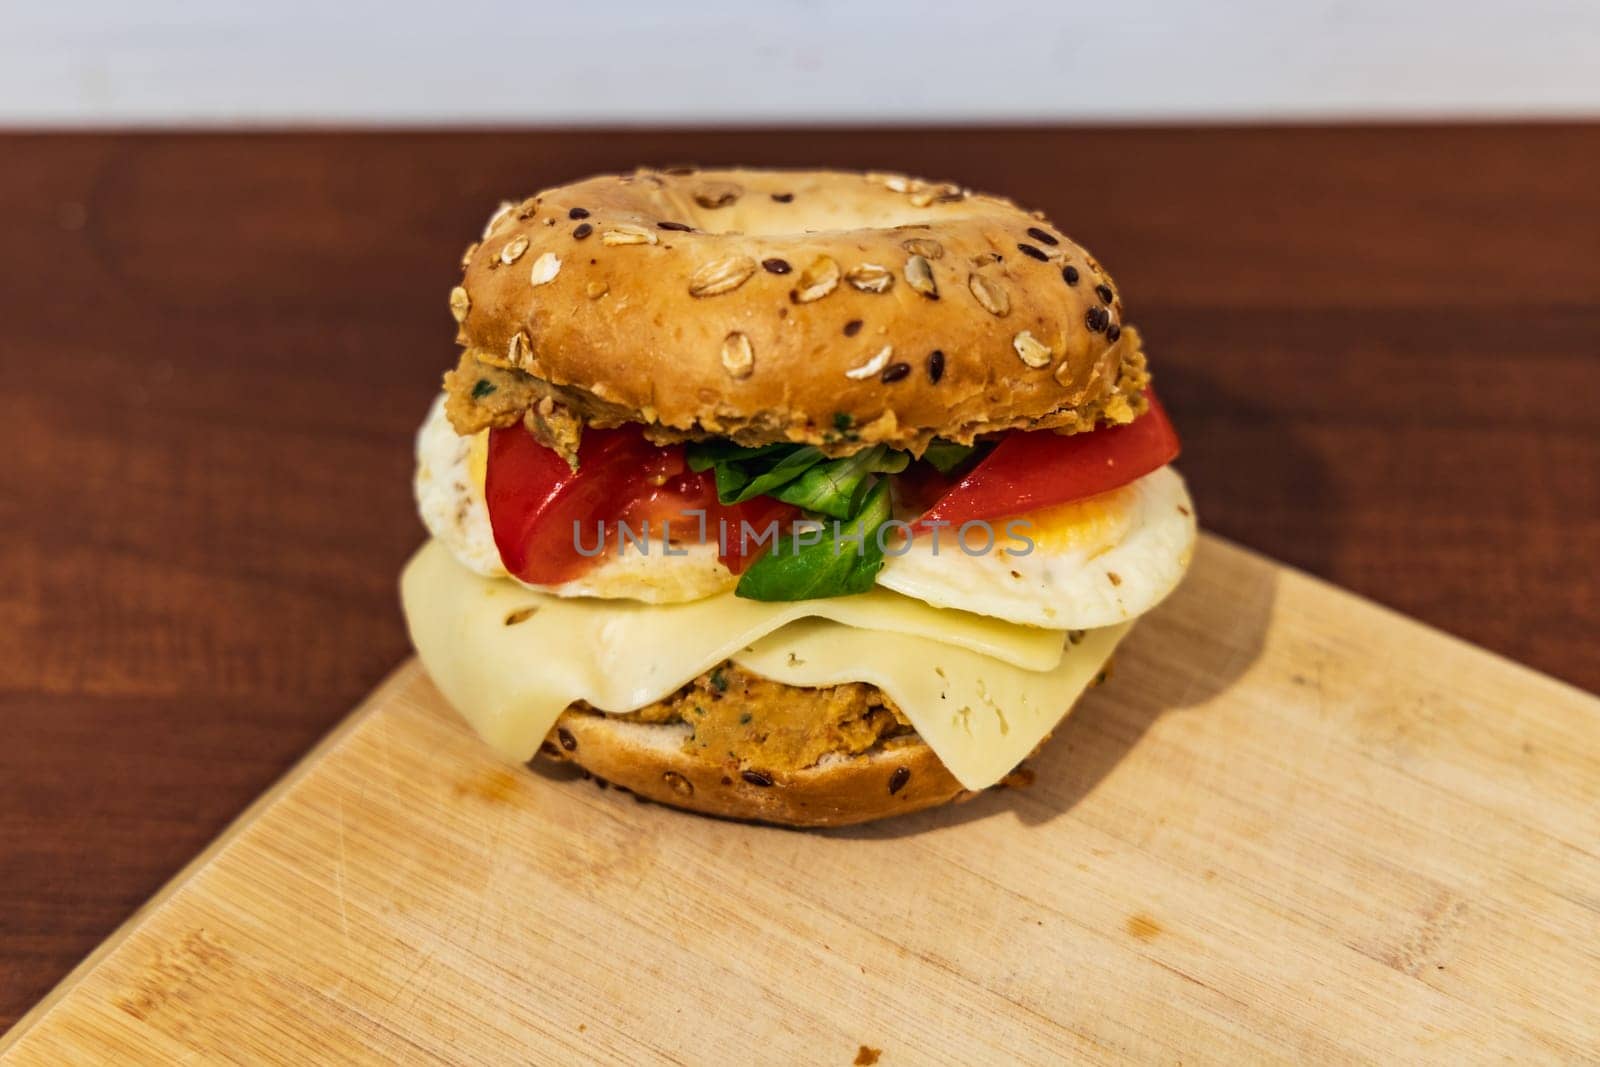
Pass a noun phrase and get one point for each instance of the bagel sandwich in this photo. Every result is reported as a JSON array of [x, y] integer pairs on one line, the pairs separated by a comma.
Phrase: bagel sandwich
[[808, 497]]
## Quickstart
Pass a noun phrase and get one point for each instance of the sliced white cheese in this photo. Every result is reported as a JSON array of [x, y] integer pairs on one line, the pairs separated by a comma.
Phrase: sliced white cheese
[[980, 716], [510, 659]]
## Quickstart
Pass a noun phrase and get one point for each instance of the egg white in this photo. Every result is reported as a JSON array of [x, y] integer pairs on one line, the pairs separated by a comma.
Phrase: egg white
[[1092, 563], [449, 490]]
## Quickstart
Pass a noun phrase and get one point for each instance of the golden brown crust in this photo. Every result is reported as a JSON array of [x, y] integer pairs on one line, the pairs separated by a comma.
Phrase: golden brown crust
[[826, 307], [901, 776]]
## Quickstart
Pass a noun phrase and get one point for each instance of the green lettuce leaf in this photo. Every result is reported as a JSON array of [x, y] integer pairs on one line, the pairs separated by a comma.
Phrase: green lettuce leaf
[[946, 455], [742, 473], [703, 455], [836, 488], [833, 566]]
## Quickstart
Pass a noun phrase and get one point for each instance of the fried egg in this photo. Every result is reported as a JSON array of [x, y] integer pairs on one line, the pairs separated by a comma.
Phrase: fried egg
[[1078, 566], [449, 490]]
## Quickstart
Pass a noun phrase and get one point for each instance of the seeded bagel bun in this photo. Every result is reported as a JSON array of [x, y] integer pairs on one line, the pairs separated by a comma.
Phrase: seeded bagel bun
[[825, 307], [899, 776]]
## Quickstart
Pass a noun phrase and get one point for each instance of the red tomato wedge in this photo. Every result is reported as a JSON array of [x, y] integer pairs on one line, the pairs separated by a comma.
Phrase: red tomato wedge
[[542, 510], [1028, 471]]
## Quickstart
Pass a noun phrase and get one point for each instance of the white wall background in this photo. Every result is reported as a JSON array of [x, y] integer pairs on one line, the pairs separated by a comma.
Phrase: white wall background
[[97, 62]]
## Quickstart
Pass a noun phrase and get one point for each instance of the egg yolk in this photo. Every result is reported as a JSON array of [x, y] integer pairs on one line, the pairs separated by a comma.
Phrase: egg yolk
[[1094, 524], [478, 460]]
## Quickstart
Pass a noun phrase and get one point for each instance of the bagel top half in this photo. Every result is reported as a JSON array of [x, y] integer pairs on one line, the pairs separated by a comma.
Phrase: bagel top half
[[820, 307]]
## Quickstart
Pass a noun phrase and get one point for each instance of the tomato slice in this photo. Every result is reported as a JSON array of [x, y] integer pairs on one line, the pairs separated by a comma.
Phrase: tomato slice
[[1027, 471], [542, 511]]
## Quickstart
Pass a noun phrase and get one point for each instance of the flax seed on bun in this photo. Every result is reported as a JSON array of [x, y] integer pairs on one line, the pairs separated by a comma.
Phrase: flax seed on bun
[[820, 307]]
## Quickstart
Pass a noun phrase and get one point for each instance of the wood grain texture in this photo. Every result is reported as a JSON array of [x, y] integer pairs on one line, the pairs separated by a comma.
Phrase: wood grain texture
[[1381, 346], [1293, 828]]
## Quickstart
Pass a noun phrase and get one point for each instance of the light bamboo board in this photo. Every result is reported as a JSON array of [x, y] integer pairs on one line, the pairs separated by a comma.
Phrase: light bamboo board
[[1294, 827]]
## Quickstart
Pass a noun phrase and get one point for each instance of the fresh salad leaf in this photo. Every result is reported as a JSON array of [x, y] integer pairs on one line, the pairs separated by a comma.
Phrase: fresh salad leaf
[[845, 560], [739, 480], [836, 488], [796, 474], [703, 455], [947, 455], [838, 560]]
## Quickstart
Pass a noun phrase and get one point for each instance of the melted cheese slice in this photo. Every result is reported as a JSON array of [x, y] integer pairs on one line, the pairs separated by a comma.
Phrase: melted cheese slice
[[511, 659], [980, 716]]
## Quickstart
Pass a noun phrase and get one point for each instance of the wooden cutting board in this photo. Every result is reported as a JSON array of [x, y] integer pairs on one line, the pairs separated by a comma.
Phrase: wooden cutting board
[[1294, 827]]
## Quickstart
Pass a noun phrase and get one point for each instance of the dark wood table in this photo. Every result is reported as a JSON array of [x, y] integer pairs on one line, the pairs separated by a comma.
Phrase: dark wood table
[[1382, 347]]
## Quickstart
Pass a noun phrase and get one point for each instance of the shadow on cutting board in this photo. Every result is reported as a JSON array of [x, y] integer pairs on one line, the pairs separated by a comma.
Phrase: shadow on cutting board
[[1108, 722], [1185, 653], [1215, 626]]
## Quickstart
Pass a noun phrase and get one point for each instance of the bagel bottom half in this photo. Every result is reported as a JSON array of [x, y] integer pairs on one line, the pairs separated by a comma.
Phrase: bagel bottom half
[[649, 759], [895, 777], [818, 750]]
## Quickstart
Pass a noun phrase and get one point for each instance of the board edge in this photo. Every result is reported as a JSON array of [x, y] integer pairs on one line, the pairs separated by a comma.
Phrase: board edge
[[397, 678]]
